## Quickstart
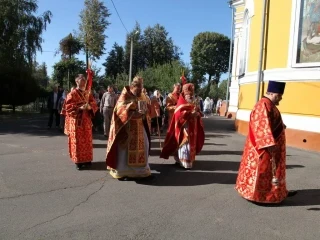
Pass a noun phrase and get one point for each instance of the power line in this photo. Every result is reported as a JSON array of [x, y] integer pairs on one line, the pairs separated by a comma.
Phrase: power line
[[119, 16]]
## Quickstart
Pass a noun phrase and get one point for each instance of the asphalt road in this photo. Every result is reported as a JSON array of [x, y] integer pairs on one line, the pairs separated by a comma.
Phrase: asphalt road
[[43, 196]]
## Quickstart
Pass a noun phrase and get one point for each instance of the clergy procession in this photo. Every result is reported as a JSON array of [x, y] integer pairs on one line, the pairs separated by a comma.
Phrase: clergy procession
[[135, 117]]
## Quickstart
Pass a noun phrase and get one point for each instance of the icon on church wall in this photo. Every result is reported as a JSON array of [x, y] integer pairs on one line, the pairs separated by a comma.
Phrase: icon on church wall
[[308, 50]]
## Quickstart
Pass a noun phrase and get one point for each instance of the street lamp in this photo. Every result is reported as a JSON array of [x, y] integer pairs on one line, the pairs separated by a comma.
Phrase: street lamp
[[131, 50]]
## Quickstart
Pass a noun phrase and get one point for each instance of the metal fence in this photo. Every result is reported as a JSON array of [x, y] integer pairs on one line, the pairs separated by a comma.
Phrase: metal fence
[[39, 105]]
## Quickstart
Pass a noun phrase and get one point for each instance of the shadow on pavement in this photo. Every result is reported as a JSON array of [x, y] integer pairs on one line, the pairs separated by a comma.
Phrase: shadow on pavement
[[304, 197], [215, 144], [314, 209], [221, 152], [213, 135], [215, 165], [294, 166], [100, 145], [181, 177], [96, 166]]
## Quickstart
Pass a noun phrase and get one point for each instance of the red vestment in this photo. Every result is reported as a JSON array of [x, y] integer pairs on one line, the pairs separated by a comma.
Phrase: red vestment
[[171, 102], [254, 181], [78, 125], [177, 136]]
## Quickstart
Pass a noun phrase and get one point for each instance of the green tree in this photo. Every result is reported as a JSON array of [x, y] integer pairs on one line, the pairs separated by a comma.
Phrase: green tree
[[40, 74], [60, 71], [159, 48], [162, 77], [114, 62], [21, 37], [210, 55], [138, 53], [94, 22], [151, 48], [69, 46], [216, 90]]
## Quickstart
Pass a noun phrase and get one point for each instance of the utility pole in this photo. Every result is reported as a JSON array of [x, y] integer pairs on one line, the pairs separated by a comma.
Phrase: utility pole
[[131, 53]]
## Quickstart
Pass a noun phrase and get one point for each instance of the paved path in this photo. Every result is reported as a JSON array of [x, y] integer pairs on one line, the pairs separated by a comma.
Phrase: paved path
[[43, 196]]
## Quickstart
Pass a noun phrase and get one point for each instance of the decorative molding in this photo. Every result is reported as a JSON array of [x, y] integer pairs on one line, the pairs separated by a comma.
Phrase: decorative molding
[[284, 74], [237, 3], [250, 7], [298, 122]]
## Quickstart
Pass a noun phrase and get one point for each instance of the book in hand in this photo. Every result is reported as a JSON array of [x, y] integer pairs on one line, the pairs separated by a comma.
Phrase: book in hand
[[142, 106]]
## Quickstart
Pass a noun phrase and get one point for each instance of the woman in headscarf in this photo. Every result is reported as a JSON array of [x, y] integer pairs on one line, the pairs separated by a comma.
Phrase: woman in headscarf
[[207, 107]]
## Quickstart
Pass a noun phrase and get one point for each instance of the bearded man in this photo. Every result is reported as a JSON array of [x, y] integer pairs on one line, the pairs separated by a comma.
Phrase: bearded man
[[79, 109], [262, 172], [185, 137], [172, 100], [129, 139]]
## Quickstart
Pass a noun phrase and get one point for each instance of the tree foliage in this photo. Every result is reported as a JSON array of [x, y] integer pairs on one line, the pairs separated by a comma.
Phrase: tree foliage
[[159, 48], [72, 66], [162, 77], [114, 64], [70, 46], [151, 48], [21, 36], [216, 91], [94, 22], [210, 55], [138, 55], [40, 74]]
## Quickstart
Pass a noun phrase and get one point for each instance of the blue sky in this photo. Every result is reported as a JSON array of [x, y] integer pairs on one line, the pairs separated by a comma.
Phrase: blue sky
[[183, 19]]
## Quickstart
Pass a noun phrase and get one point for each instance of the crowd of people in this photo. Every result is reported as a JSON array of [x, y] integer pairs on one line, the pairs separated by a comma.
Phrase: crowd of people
[[132, 117]]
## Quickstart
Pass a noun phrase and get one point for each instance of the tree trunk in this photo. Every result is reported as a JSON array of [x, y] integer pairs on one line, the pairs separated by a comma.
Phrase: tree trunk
[[208, 86]]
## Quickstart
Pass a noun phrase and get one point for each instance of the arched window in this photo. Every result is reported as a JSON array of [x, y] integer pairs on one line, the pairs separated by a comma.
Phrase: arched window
[[244, 44]]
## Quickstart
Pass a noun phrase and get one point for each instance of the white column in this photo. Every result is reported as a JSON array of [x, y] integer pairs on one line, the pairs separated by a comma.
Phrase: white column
[[234, 87]]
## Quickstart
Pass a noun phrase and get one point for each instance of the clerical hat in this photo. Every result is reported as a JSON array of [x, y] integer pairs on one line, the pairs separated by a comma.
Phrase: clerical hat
[[276, 87]]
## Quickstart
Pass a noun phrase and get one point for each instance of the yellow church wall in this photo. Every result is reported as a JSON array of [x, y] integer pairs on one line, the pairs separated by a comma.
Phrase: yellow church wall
[[276, 38], [254, 37], [278, 33], [299, 97]]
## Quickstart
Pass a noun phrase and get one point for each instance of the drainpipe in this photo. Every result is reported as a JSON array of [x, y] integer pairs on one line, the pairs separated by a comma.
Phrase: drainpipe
[[264, 14], [230, 57]]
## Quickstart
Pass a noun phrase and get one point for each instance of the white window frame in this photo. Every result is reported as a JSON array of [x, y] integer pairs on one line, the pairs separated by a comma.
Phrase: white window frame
[[294, 49], [245, 39]]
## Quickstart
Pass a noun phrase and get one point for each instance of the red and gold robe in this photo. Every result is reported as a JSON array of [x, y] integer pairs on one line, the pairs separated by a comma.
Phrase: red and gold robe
[[78, 125], [254, 181], [127, 132], [171, 102], [177, 135]]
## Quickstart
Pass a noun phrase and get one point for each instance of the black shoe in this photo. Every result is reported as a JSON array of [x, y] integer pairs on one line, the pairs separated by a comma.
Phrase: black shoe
[[79, 166], [123, 179], [87, 163], [292, 193]]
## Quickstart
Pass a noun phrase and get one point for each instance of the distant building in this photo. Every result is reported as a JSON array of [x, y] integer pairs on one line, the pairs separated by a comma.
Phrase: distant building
[[290, 53]]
